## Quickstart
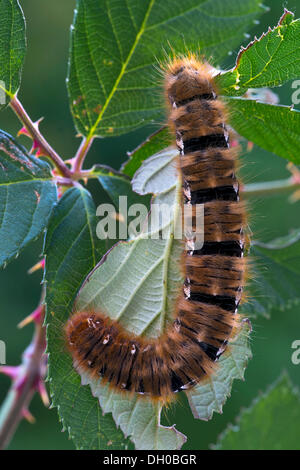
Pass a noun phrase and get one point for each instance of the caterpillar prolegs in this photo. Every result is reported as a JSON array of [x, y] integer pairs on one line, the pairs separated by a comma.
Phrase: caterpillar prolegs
[[206, 312]]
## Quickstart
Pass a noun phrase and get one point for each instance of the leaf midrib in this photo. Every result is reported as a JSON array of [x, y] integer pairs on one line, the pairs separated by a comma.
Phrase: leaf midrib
[[31, 180], [122, 72], [271, 57], [9, 92]]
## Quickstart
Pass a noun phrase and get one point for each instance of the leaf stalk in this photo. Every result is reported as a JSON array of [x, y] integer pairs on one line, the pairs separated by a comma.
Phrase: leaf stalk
[[269, 188]]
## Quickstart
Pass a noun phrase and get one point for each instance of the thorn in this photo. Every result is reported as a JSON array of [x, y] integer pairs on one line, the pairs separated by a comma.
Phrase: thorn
[[37, 123], [60, 192], [295, 179], [250, 146], [23, 131], [54, 173], [118, 217], [15, 374], [28, 416], [11, 371], [35, 317], [39, 153], [295, 172], [295, 197], [70, 160], [41, 388], [34, 147], [37, 266]]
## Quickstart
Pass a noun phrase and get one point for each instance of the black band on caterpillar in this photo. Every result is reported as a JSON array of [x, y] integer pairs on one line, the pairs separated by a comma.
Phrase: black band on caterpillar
[[205, 314]]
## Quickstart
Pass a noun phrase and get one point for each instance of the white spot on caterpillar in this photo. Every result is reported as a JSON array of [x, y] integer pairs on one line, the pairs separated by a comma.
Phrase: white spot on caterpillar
[[91, 323], [185, 387], [106, 339], [187, 191], [187, 288], [190, 245]]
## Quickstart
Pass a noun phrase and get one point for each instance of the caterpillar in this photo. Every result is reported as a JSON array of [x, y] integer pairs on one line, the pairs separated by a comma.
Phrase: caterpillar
[[205, 315]]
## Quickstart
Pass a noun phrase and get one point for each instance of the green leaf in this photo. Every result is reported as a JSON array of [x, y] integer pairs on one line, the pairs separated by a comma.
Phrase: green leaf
[[137, 418], [153, 144], [271, 423], [210, 396], [116, 185], [268, 61], [113, 81], [72, 250], [157, 174], [274, 128], [113, 182], [27, 194], [12, 48], [124, 288], [276, 275]]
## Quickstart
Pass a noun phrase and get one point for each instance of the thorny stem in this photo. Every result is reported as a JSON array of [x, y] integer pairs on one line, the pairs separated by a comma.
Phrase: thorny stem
[[22, 390], [68, 175], [37, 137]]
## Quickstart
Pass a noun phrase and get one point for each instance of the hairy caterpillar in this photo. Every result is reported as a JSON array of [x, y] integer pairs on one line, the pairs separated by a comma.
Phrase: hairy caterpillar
[[206, 312]]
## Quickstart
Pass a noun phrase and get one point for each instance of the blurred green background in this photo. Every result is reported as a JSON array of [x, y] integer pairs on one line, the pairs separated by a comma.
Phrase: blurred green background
[[43, 93]]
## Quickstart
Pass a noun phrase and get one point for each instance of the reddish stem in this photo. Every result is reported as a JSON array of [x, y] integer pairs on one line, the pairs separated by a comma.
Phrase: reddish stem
[[24, 387], [38, 138], [82, 152]]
